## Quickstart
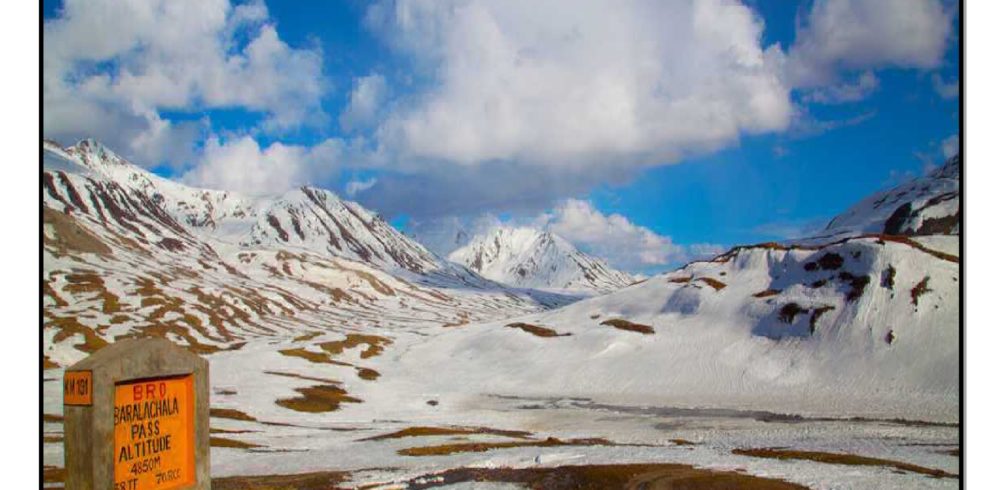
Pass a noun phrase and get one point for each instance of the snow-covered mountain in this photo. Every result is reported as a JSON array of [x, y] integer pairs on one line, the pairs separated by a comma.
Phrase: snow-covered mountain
[[306, 218], [129, 253], [326, 330], [862, 323], [927, 205], [533, 258]]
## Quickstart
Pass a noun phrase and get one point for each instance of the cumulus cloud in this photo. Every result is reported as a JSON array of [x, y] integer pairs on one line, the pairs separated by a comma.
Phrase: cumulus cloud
[[806, 124], [355, 187], [242, 165], [446, 234], [855, 35], [112, 67], [364, 102], [950, 146], [564, 83], [946, 89], [613, 237], [845, 92]]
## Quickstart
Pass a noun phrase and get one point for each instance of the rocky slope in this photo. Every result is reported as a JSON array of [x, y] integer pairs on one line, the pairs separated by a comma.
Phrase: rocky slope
[[927, 205], [129, 253]]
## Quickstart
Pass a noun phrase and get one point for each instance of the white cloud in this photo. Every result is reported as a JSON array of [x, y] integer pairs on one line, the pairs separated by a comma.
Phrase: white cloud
[[613, 237], [111, 67], [241, 165], [565, 83], [857, 35], [621, 242], [843, 93], [946, 89], [806, 125], [355, 187], [950, 146], [446, 234], [364, 102]]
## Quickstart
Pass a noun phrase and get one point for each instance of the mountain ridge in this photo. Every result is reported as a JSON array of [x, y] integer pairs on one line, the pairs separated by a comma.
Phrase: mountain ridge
[[128, 253], [854, 323], [530, 257]]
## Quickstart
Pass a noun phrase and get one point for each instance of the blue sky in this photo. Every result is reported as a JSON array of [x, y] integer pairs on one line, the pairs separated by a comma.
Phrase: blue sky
[[820, 125]]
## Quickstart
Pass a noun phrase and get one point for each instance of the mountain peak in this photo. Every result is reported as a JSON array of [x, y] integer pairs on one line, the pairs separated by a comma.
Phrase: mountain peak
[[537, 258], [95, 154]]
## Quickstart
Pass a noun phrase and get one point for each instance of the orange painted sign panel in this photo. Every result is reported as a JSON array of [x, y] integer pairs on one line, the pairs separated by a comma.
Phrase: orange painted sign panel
[[77, 388], [153, 434]]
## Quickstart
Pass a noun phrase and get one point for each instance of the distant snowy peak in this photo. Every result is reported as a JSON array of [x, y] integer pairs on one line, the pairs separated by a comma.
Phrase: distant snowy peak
[[528, 257], [927, 205]]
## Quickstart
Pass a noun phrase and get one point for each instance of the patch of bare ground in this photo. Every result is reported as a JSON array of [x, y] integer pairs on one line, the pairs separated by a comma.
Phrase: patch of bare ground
[[163, 329], [215, 430], [373, 281], [364, 373], [682, 442], [69, 326], [89, 282], [69, 236], [47, 363], [300, 376], [338, 295], [314, 357], [323, 358], [375, 345], [856, 285], [817, 313], [448, 431], [53, 476], [231, 413], [231, 443], [49, 291], [462, 319], [680, 280], [887, 277], [630, 326], [766, 293], [319, 398], [537, 330], [325, 480], [789, 311], [714, 283], [307, 336], [617, 476], [919, 289], [842, 459], [368, 374], [480, 447]]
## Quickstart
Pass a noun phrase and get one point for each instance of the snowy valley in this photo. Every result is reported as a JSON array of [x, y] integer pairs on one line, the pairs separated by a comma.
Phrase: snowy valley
[[337, 344]]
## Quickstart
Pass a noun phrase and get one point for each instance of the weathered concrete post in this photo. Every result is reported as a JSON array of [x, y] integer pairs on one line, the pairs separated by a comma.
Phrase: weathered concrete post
[[137, 417]]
